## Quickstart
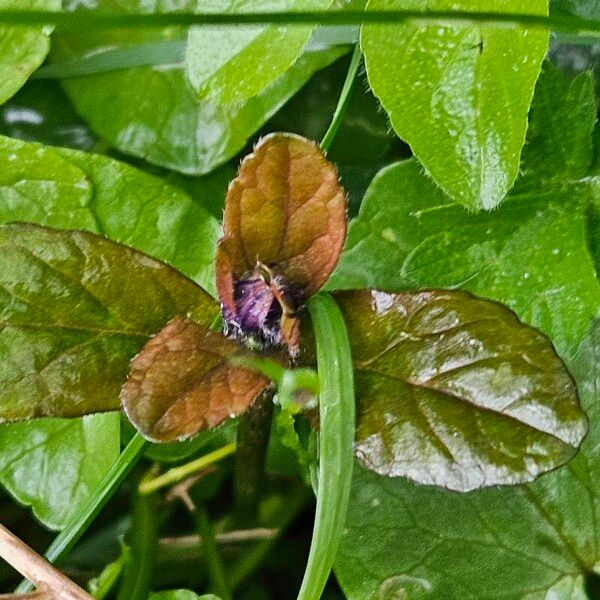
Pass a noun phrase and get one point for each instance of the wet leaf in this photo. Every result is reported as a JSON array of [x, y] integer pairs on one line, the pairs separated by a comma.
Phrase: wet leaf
[[23, 49], [536, 542], [182, 382], [171, 127], [530, 254], [283, 231], [459, 94], [453, 391], [74, 309], [76, 190], [55, 464], [228, 65]]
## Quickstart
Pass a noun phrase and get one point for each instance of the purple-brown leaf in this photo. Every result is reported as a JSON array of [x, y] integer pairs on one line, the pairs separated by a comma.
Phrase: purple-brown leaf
[[454, 391]]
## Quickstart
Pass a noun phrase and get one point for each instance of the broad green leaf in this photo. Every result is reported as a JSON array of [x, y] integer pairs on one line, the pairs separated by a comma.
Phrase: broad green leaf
[[74, 190], [74, 309], [458, 94], [530, 254], [22, 48], [169, 125], [54, 465], [559, 139], [533, 542], [453, 391], [228, 65]]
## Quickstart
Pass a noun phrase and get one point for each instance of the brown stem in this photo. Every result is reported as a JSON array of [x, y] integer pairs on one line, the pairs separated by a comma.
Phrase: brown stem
[[252, 440], [51, 582]]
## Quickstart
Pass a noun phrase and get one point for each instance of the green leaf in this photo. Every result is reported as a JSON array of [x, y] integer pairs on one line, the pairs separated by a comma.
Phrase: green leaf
[[22, 48], [170, 126], [559, 139], [74, 190], [453, 391], [588, 9], [458, 94], [228, 65], [531, 254], [74, 309], [55, 464], [537, 541]]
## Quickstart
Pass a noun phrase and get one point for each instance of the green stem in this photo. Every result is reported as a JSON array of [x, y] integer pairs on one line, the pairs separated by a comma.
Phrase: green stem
[[340, 109], [180, 473], [255, 556], [80, 19], [81, 520], [212, 556], [252, 440], [336, 441], [144, 539]]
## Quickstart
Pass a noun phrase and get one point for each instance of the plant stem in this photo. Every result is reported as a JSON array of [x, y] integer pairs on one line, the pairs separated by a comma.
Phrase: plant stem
[[340, 109], [212, 556], [30, 564], [255, 556], [177, 474], [78, 20], [252, 440], [336, 441], [144, 533], [81, 520]]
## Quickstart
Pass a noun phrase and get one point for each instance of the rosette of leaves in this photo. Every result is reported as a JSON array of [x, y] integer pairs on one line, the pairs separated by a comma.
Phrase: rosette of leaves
[[452, 390]]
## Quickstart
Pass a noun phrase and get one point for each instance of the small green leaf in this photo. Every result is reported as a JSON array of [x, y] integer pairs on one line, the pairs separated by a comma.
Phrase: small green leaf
[[458, 94], [534, 542], [228, 65], [55, 464], [22, 48], [453, 391], [75, 190], [74, 309], [171, 127]]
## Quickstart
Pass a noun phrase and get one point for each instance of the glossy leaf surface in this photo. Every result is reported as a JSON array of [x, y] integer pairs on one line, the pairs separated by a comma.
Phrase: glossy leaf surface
[[531, 254], [535, 541], [182, 383], [228, 65], [22, 48], [75, 190], [453, 391], [54, 464], [171, 127], [74, 309], [459, 95]]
